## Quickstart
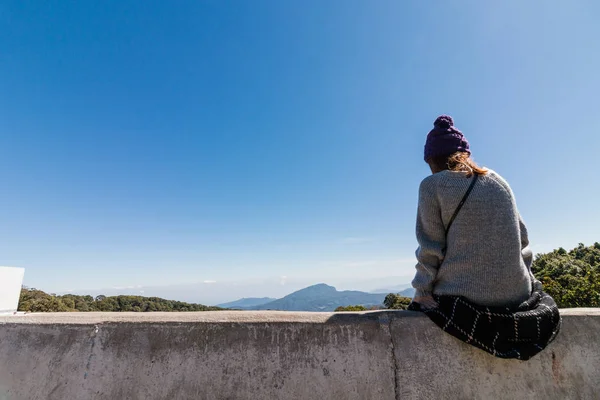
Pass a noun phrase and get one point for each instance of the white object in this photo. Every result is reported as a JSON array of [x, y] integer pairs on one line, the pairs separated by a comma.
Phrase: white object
[[11, 280]]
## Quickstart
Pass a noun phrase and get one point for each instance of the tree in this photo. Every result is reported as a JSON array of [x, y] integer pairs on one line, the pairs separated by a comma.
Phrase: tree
[[351, 308], [396, 302], [34, 300], [572, 277]]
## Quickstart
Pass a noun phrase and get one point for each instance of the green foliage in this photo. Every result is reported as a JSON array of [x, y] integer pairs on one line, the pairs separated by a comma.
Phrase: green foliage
[[572, 278], [396, 302], [33, 300], [351, 308]]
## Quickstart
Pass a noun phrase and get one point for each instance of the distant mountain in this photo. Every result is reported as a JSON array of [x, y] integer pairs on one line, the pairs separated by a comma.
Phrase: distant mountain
[[407, 292], [321, 297], [247, 302], [392, 289]]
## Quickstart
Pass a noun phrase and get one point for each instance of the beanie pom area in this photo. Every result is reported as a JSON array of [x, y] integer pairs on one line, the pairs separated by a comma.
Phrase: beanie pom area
[[443, 122]]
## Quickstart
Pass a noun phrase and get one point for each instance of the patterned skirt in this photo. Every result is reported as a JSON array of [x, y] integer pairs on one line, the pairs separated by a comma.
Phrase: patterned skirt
[[519, 333]]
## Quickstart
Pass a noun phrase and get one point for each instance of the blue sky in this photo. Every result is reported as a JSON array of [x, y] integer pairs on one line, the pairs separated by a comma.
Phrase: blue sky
[[155, 143]]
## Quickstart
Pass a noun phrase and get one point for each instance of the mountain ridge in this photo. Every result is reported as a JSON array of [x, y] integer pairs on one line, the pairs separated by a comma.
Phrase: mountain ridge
[[321, 297], [247, 302]]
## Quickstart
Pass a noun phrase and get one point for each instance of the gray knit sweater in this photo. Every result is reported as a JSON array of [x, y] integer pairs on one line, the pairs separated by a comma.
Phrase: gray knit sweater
[[487, 258]]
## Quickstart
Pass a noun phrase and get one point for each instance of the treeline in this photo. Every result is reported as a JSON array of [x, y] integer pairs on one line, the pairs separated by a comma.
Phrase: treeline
[[391, 302], [357, 308], [572, 277], [33, 300]]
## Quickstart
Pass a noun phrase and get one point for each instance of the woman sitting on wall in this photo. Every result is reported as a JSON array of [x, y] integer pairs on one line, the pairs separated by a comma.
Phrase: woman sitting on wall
[[473, 274]]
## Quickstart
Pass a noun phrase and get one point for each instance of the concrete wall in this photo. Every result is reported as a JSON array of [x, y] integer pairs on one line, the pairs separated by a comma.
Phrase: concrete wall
[[279, 355]]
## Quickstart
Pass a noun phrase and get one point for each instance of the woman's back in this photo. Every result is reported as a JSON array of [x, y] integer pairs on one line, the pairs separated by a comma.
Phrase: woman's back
[[486, 258], [474, 257]]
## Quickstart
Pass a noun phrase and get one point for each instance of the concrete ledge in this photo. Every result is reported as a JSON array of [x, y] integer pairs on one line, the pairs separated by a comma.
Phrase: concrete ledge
[[281, 355]]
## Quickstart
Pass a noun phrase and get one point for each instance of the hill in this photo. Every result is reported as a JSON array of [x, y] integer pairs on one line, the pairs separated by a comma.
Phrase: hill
[[393, 289], [322, 297], [408, 292], [247, 302]]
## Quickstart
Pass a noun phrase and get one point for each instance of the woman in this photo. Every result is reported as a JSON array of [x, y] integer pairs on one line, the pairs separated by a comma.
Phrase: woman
[[474, 257]]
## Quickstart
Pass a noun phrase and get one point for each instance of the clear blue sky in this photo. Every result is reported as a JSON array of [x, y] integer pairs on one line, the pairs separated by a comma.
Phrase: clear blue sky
[[155, 142]]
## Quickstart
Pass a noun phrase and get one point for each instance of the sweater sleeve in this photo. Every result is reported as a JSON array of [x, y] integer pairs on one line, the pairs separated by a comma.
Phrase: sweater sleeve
[[526, 252], [431, 236], [525, 249]]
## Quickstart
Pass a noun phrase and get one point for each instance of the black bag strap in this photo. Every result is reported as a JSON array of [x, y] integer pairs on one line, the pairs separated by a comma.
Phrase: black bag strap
[[462, 202]]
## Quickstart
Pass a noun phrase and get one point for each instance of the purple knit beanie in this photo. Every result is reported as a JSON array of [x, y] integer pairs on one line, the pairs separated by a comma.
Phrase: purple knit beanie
[[444, 139]]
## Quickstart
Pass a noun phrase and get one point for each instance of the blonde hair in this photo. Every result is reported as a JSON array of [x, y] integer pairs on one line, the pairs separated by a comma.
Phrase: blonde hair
[[459, 161]]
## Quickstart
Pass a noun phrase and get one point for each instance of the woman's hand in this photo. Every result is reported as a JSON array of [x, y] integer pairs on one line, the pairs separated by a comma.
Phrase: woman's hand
[[426, 302]]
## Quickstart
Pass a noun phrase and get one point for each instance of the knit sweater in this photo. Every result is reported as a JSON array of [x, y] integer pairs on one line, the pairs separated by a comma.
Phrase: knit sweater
[[487, 258]]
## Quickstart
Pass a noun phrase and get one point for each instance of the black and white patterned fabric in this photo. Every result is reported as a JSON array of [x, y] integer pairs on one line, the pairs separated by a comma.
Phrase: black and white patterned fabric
[[519, 333]]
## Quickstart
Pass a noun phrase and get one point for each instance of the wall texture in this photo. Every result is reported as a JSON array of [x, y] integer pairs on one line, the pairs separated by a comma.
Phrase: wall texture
[[280, 355]]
